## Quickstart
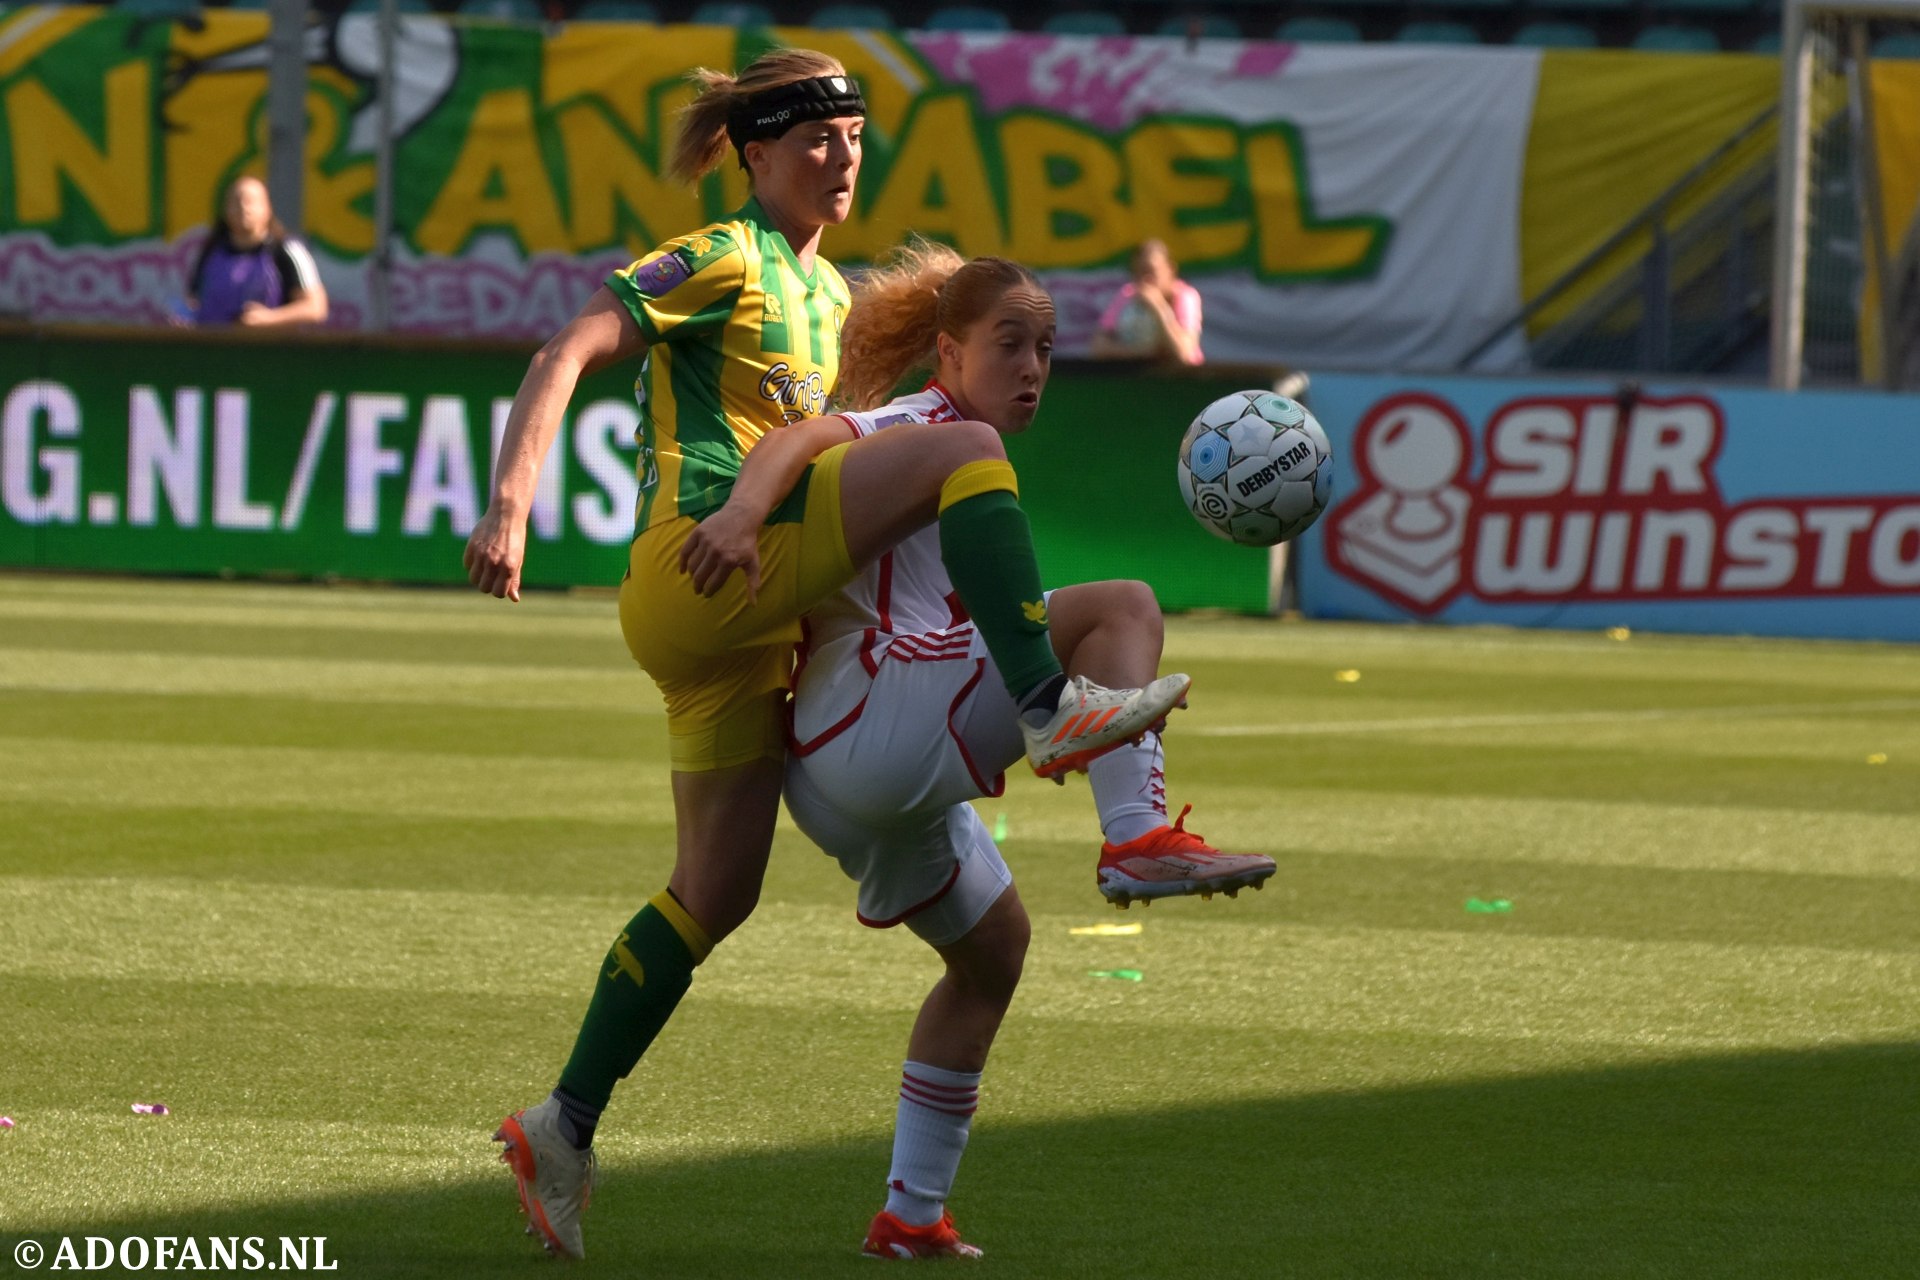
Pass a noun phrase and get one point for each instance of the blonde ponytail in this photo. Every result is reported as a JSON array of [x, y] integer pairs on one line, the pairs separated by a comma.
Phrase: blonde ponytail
[[701, 143]]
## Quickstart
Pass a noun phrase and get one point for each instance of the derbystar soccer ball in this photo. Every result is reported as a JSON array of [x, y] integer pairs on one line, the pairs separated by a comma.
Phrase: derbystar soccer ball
[[1255, 468]]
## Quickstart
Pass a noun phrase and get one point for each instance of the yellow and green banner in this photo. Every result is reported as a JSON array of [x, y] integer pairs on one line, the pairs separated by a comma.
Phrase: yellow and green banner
[[1375, 205]]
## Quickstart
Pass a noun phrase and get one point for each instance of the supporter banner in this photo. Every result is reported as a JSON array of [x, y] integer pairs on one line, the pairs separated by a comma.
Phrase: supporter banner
[[1613, 130], [1355, 204], [1584, 505], [1896, 121], [189, 454]]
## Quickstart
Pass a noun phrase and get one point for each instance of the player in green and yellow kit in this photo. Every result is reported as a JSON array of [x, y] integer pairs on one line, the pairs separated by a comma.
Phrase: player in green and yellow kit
[[746, 520]]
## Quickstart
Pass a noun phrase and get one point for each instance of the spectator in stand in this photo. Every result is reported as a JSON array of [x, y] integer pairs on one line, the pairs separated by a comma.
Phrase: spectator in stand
[[1156, 316], [250, 271]]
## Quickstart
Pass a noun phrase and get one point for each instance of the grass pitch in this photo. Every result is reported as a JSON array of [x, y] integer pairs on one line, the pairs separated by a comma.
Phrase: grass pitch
[[328, 872]]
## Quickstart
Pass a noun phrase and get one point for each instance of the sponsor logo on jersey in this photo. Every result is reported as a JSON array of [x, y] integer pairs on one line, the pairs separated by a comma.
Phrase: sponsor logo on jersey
[[789, 388], [774, 313]]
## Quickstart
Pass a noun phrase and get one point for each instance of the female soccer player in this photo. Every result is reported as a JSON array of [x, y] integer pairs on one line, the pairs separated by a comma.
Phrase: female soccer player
[[740, 325], [898, 722]]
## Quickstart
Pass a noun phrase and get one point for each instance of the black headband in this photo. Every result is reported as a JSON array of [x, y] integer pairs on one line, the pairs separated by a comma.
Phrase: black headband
[[772, 112]]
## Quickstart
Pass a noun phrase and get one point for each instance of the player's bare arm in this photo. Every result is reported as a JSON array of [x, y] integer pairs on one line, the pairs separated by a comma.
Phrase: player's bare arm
[[729, 539], [602, 333]]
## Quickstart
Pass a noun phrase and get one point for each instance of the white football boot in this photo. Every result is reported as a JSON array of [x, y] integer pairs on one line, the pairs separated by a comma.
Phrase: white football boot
[[1093, 719], [555, 1178]]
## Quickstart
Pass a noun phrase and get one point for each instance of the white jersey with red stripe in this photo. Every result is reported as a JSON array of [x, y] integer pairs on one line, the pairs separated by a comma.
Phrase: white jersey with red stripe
[[899, 719], [901, 608]]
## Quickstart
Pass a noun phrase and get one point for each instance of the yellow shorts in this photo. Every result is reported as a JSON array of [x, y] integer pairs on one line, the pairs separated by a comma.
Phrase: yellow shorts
[[724, 663]]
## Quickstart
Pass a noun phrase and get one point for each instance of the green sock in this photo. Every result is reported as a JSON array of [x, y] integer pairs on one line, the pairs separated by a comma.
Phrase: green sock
[[641, 981], [987, 545]]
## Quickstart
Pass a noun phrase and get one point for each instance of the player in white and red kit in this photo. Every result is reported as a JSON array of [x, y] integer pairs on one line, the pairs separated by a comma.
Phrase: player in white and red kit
[[899, 721]]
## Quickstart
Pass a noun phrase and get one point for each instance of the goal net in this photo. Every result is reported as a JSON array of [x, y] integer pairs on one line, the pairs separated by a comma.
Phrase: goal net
[[1846, 281]]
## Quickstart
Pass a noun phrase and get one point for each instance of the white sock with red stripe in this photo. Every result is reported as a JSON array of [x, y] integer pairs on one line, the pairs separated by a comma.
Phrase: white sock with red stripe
[[1130, 789], [929, 1136]]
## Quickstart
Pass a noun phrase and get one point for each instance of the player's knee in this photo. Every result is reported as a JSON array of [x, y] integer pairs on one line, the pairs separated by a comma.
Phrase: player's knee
[[966, 442], [1135, 600], [996, 955], [1124, 604]]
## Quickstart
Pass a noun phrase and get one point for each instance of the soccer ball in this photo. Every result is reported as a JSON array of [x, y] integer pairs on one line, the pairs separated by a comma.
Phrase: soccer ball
[[1255, 468]]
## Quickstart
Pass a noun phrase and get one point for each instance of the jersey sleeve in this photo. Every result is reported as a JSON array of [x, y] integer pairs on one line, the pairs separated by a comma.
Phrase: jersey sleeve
[[867, 421], [299, 274], [685, 288]]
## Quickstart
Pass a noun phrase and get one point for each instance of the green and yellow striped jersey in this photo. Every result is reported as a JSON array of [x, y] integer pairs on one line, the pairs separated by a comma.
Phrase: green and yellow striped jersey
[[741, 340]]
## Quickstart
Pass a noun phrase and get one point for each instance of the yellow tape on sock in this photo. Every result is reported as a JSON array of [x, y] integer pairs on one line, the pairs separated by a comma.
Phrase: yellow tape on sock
[[985, 476], [683, 924]]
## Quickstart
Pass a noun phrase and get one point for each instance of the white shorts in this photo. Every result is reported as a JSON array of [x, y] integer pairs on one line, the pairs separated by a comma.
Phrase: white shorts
[[886, 791]]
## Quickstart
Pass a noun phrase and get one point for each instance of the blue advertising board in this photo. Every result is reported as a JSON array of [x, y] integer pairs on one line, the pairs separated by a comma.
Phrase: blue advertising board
[[1591, 505]]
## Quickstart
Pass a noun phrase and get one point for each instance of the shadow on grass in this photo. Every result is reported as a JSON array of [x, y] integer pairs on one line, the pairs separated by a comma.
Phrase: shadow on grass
[[1758, 1165]]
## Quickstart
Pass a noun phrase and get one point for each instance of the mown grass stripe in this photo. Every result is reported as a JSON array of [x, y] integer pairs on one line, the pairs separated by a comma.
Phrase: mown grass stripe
[[1560, 719], [456, 683], [1477, 982]]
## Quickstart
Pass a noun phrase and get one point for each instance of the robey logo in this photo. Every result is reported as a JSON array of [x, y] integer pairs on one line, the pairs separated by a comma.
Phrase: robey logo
[[1595, 498]]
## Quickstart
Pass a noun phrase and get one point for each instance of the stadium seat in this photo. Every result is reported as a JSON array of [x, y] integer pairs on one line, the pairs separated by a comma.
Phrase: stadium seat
[[1318, 30], [1668, 38], [157, 8], [852, 17], [1430, 31], [1902, 44], [616, 11], [1765, 42], [1584, 6], [404, 6], [1084, 22], [504, 10], [1557, 35], [1726, 8], [967, 17], [731, 13], [1344, 4], [1208, 26]]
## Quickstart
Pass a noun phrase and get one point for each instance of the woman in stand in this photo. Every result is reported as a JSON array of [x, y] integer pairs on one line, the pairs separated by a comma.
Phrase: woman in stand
[[250, 271], [1154, 316], [753, 508]]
